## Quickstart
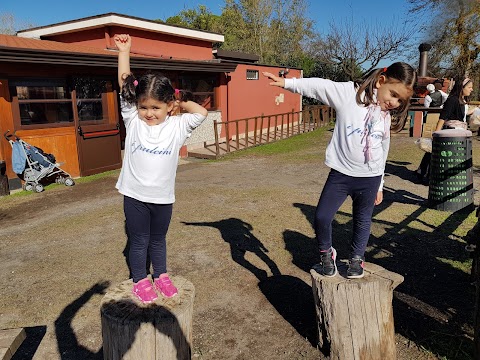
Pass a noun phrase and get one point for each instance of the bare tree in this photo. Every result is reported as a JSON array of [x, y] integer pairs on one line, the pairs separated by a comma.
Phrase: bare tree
[[454, 34], [358, 48], [9, 24]]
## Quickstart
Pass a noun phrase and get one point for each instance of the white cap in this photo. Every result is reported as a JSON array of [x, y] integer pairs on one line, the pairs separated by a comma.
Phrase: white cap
[[431, 88]]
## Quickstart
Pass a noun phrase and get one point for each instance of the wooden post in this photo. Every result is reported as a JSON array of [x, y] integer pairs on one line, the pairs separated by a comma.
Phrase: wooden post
[[354, 316], [4, 189], [161, 330], [217, 141]]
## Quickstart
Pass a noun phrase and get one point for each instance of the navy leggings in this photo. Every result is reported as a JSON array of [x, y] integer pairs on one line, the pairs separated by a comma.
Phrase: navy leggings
[[363, 191], [147, 226]]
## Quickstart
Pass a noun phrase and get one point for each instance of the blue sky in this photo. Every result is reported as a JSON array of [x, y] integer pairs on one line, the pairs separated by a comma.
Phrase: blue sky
[[323, 12], [47, 12]]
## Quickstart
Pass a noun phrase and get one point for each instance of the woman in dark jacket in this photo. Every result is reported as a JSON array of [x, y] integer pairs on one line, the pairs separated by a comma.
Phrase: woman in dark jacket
[[455, 107], [454, 114]]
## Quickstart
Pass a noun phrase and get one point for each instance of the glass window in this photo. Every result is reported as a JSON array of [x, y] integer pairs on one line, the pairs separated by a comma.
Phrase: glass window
[[90, 94], [42, 101], [202, 87], [252, 74], [50, 101]]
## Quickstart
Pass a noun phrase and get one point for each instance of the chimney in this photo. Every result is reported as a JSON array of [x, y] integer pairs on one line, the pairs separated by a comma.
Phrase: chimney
[[422, 66]]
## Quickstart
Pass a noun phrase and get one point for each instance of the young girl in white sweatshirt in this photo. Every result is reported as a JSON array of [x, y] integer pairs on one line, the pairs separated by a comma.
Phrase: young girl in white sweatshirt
[[357, 152]]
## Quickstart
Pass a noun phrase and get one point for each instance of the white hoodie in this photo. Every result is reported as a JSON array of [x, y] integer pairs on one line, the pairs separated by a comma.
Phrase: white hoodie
[[151, 155], [361, 137]]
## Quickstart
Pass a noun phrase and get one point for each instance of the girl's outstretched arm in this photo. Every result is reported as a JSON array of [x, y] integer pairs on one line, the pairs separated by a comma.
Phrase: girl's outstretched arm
[[192, 107], [276, 81], [123, 43]]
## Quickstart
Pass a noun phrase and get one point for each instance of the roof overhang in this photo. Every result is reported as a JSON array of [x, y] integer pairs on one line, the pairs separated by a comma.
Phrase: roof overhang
[[235, 56], [112, 19], [32, 56]]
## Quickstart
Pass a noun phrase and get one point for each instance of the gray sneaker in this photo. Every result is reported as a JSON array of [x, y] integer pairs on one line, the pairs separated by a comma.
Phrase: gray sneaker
[[327, 266], [355, 267]]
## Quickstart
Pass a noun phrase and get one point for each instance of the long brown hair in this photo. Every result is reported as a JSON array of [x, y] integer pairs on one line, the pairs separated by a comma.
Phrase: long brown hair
[[397, 72]]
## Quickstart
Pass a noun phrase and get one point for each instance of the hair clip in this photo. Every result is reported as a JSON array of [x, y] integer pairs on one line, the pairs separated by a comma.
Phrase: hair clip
[[135, 83], [177, 91], [384, 70]]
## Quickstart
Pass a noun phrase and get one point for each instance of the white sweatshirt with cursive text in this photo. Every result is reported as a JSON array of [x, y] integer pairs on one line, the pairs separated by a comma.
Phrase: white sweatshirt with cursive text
[[361, 137], [151, 155]]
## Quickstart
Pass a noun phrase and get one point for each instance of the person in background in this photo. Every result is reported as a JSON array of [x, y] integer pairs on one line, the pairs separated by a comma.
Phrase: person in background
[[453, 115], [435, 97], [357, 151], [153, 140], [455, 110]]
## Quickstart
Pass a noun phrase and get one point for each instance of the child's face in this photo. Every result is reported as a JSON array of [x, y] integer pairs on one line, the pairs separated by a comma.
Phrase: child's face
[[467, 90], [152, 111], [392, 94]]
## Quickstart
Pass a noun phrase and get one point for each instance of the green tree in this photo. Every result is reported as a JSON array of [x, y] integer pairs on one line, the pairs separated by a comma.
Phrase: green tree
[[275, 30], [200, 19]]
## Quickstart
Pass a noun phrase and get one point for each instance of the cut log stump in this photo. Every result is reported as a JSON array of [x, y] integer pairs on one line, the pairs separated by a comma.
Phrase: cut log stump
[[160, 330], [354, 316], [10, 341]]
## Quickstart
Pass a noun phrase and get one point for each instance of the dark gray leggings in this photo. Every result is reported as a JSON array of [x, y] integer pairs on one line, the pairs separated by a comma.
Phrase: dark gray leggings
[[363, 191], [147, 226]]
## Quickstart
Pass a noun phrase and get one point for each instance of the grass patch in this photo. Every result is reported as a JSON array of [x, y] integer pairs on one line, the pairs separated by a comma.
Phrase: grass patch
[[82, 180], [94, 177], [298, 144]]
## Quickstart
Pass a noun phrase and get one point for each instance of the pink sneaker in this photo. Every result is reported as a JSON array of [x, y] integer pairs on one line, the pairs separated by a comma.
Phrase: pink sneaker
[[165, 286], [143, 290]]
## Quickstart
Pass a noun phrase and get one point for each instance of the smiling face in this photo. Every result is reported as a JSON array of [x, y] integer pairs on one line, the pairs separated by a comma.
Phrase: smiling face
[[392, 93], [153, 112]]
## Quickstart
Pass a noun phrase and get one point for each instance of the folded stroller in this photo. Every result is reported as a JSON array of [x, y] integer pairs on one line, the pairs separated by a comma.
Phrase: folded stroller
[[32, 165]]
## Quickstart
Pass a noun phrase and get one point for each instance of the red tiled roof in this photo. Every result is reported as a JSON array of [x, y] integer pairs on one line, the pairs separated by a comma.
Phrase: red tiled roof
[[18, 49], [54, 46]]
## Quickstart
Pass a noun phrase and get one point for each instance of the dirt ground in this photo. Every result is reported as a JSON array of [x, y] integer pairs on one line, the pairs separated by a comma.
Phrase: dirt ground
[[242, 233]]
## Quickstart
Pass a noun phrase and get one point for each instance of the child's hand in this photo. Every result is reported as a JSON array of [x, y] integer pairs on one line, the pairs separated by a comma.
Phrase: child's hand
[[123, 42], [277, 81]]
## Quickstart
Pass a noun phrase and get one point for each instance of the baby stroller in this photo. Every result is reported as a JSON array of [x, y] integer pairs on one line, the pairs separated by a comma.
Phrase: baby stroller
[[32, 164]]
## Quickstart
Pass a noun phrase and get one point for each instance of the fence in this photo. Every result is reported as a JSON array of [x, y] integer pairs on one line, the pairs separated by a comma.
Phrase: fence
[[233, 135]]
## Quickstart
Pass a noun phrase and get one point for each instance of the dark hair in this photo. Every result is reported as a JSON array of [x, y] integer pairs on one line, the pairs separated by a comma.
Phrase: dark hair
[[457, 90], [151, 85], [397, 72]]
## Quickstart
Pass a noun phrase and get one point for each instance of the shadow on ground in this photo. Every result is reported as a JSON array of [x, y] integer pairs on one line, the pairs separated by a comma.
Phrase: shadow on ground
[[434, 305], [289, 295]]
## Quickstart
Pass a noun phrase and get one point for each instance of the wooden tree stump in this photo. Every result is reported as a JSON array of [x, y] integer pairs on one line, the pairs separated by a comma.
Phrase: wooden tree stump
[[160, 330], [354, 316]]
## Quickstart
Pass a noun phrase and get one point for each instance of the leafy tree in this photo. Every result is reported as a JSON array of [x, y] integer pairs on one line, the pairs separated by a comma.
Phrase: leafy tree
[[200, 19], [273, 29]]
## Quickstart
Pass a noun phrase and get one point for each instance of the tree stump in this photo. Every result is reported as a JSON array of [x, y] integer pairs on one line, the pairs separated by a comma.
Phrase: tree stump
[[354, 316], [160, 330]]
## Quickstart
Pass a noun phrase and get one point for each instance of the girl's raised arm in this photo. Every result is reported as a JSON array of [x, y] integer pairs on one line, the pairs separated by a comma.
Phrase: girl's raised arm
[[192, 107], [123, 43]]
